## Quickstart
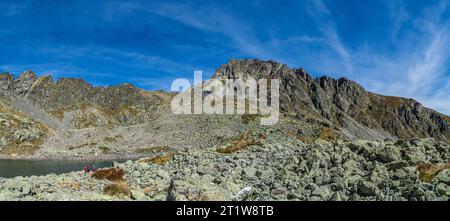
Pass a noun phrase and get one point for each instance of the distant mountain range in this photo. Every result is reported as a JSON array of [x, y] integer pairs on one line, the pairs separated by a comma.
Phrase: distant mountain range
[[341, 107]]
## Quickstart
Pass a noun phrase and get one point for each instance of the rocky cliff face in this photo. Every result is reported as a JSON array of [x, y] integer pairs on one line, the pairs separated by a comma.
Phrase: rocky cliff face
[[19, 134], [78, 104], [343, 103]]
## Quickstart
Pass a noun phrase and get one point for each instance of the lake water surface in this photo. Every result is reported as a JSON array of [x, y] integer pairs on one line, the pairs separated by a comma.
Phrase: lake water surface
[[13, 168]]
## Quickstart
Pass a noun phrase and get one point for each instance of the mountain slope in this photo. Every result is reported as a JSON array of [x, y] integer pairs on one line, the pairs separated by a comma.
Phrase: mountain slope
[[77, 104], [343, 103]]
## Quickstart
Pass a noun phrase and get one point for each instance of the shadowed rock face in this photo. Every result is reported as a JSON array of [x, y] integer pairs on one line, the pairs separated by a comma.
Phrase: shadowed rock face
[[342, 103]]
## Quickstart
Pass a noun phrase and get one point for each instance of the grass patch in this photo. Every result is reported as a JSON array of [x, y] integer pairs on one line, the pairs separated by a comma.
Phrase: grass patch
[[24, 148], [242, 142], [428, 171], [59, 114], [325, 133], [109, 139], [111, 174], [262, 136], [304, 139], [113, 139], [393, 102], [248, 118], [159, 159], [447, 118], [119, 189], [76, 147], [328, 134], [21, 149], [70, 185]]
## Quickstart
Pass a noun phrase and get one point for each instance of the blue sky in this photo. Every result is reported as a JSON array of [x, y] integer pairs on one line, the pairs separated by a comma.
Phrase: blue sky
[[391, 47]]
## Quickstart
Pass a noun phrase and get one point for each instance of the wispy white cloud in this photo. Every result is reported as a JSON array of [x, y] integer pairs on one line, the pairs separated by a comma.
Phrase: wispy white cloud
[[400, 16], [135, 60], [424, 69], [320, 13], [211, 18], [206, 17], [420, 70], [239, 34], [319, 7]]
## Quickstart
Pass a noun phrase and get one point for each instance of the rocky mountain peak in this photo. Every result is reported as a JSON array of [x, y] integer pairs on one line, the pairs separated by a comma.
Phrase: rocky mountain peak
[[6, 76], [342, 102], [27, 76], [254, 67]]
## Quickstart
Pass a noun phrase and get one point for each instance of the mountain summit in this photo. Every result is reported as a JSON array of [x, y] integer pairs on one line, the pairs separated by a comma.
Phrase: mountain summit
[[343, 103]]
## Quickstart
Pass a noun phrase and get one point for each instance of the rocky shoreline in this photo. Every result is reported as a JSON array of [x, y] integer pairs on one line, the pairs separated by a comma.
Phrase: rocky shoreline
[[117, 157], [264, 165]]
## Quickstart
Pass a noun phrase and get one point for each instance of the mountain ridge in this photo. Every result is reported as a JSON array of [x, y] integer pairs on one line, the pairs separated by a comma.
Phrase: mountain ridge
[[337, 100], [323, 100]]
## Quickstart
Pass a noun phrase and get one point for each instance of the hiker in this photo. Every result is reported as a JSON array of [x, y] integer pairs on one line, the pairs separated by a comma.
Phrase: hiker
[[86, 169], [93, 168]]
